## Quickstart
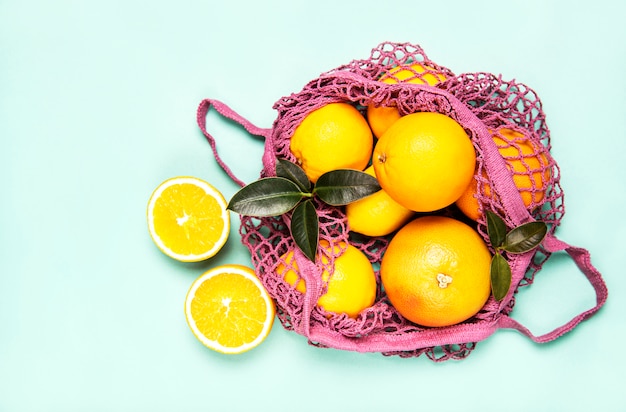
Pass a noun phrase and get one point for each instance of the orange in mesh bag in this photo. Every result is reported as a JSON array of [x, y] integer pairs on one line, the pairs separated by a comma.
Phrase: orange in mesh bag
[[516, 180]]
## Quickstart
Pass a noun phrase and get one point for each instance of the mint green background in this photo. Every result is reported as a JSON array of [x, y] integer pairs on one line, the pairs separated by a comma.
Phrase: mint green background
[[97, 107]]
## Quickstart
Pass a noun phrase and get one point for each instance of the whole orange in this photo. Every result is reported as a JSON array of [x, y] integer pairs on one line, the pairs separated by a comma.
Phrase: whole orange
[[436, 271], [381, 118], [424, 161], [527, 162], [377, 214], [335, 136], [352, 285]]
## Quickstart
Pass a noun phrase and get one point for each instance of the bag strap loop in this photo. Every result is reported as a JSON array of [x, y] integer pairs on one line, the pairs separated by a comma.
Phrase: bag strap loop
[[229, 113], [582, 259]]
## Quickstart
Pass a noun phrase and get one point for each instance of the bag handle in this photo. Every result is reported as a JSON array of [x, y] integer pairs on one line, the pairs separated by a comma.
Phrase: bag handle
[[229, 113], [582, 258]]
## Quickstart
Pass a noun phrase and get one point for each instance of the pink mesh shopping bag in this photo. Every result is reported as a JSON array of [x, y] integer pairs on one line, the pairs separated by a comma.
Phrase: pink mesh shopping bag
[[484, 104]]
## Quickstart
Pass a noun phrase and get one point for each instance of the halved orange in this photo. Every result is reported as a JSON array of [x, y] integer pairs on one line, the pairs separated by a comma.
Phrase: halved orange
[[188, 219], [229, 310]]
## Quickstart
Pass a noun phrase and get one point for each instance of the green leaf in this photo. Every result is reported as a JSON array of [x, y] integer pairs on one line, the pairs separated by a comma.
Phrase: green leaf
[[525, 237], [343, 186], [271, 196], [496, 229], [293, 172], [305, 228], [500, 276]]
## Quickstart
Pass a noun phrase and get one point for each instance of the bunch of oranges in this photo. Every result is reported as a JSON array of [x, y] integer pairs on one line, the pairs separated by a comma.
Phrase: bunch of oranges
[[436, 269]]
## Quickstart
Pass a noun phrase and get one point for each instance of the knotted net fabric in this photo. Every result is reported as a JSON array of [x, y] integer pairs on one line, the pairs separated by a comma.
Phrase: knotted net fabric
[[485, 105]]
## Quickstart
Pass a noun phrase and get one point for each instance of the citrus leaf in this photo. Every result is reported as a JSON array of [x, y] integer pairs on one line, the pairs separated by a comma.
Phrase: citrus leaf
[[305, 228], [293, 172], [343, 186], [525, 237], [500, 276], [270, 196], [496, 229]]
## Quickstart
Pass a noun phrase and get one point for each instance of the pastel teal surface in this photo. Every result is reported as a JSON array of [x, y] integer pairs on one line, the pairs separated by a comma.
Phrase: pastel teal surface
[[97, 107]]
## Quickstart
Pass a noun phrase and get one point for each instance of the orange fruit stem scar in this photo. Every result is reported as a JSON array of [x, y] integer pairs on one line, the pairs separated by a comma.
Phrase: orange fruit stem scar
[[444, 280]]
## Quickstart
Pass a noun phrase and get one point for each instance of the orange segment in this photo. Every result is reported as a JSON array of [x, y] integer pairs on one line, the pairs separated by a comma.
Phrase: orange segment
[[187, 219], [229, 310]]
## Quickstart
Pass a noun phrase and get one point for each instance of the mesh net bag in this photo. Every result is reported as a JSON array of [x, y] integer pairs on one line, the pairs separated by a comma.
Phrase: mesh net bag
[[484, 105]]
